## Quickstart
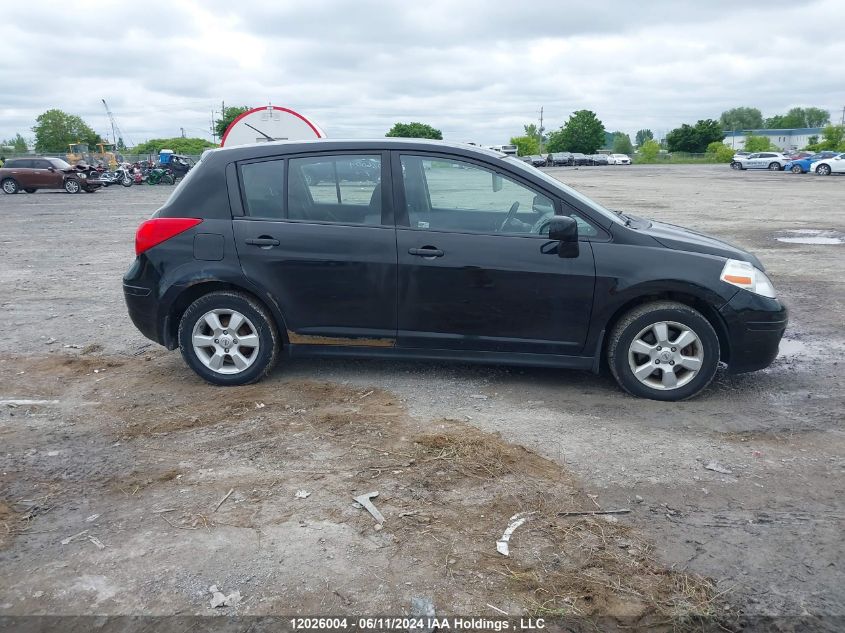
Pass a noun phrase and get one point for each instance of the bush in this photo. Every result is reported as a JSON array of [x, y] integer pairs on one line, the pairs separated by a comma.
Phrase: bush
[[648, 151], [758, 143], [719, 152]]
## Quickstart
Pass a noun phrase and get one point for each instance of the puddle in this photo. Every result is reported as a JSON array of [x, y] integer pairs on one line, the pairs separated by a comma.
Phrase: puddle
[[811, 236]]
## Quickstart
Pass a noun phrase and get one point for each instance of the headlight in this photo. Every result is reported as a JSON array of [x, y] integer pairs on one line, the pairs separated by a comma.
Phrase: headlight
[[82, 174], [746, 276]]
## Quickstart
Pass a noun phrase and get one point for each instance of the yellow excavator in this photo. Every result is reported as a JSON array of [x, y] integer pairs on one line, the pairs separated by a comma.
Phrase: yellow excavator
[[79, 153]]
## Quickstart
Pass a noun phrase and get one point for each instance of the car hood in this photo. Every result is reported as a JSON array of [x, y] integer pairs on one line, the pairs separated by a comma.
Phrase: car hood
[[680, 239]]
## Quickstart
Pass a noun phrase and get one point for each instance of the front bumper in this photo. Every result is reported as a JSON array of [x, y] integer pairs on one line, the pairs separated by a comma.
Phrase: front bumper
[[755, 326]]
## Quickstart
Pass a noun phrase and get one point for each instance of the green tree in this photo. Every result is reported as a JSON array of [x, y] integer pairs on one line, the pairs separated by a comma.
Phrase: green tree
[[719, 152], [799, 117], [649, 151], [526, 145], [755, 143], [534, 132], [583, 132], [190, 146], [414, 130], [742, 118], [622, 143], [832, 138], [694, 138], [229, 115], [18, 144], [55, 130], [643, 136]]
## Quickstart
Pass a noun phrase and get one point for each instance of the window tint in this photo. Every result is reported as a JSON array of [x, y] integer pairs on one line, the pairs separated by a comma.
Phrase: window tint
[[344, 189], [446, 194], [41, 164], [263, 185]]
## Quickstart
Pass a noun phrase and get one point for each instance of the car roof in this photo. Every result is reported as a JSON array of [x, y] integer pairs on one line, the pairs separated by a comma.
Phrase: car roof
[[257, 150]]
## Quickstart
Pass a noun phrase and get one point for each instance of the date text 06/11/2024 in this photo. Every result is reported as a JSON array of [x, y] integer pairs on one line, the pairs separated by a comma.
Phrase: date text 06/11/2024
[[415, 623]]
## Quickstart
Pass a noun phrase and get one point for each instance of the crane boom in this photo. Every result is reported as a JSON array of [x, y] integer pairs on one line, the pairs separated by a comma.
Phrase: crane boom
[[115, 135]]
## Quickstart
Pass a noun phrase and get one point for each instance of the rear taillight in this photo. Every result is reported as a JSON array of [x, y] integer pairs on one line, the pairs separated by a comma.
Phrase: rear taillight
[[158, 230]]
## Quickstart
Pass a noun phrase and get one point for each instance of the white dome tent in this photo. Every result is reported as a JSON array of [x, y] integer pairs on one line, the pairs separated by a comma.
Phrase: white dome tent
[[270, 123]]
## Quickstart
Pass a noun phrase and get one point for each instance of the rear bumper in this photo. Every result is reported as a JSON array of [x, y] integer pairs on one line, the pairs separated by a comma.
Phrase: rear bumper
[[755, 326]]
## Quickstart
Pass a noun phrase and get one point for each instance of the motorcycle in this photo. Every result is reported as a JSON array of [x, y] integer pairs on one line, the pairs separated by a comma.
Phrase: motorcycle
[[159, 175], [120, 175]]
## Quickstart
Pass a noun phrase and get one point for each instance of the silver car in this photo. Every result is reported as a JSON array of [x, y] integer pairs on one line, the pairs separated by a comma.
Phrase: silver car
[[773, 161]]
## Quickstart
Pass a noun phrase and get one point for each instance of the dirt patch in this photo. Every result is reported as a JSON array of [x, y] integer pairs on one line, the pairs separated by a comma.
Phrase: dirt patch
[[193, 461]]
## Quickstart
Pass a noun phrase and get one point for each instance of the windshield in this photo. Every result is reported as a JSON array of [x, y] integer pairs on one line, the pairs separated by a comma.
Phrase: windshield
[[58, 163], [592, 204]]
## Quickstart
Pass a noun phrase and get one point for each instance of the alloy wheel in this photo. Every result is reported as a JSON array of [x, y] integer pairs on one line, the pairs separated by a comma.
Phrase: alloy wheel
[[225, 341], [665, 355]]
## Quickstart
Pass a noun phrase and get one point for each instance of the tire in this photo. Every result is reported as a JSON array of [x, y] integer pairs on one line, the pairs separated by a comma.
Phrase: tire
[[9, 186], [127, 182], [72, 185], [257, 323], [167, 179], [636, 331], [796, 169], [736, 165], [30, 190], [775, 167], [823, 170]]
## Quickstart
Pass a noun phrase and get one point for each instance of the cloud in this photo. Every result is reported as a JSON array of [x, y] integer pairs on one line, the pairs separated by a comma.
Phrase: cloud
[[477, 70]]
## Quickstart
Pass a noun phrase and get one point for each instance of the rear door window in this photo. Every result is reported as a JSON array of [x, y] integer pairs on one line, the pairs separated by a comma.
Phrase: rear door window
[[345, 189]]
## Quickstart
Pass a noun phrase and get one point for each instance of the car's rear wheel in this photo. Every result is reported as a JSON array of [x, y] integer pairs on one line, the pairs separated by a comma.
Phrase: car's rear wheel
[[796, 169], [72, 185], [30, 190], [9, 186], [775, 167], [823, 170], [664, 351], [228, 338]]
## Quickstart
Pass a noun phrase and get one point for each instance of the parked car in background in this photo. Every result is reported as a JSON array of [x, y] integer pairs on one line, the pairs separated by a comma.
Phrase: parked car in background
[[538, 161], [599, 159], [580, 159], [802, 165], [619, 159], [219, 271], [563, 159], [798, 155], [828, 166], [31, 174], [773, 161]]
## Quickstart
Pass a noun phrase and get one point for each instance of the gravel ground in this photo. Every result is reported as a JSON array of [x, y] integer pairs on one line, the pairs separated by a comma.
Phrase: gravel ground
[[768, 533]]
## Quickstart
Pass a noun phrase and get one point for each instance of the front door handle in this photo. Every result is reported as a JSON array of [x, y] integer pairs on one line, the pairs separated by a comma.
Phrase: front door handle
[[426, 251], [265, 241]]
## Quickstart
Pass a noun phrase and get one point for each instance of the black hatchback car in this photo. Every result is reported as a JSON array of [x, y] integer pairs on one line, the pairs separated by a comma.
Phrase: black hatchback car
[[436, 251]]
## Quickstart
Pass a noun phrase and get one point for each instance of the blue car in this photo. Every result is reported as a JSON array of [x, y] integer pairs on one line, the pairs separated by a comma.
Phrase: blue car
[[802, 165]]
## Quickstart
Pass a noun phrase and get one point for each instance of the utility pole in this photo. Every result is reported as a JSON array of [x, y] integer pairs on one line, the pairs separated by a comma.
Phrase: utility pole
[[541, 129], [213, 131], [842, 120], [183, 132]]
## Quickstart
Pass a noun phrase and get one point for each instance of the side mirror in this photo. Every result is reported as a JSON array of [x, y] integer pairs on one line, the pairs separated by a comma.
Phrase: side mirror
[[564, 229]]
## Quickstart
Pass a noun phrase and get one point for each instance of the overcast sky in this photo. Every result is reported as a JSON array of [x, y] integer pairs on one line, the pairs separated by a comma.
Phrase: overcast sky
[[476, 69]]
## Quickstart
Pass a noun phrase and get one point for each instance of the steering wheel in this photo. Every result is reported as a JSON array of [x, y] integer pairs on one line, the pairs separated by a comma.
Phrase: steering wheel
[[511, 216]]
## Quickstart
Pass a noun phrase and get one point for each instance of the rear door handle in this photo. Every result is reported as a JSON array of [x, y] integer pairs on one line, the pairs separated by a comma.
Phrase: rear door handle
[[265, 241], [426, 251]]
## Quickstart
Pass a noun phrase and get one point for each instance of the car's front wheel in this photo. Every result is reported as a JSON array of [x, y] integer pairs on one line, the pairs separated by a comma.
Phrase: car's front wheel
[[9, 186], [823, 170], [796, 169], [736, 165], [664, 351], [228, 338], [72, 185]]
